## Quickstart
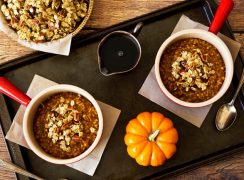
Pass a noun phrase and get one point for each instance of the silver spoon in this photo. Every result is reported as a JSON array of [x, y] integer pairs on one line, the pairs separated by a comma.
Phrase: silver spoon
[[227, 113], [16, 169]]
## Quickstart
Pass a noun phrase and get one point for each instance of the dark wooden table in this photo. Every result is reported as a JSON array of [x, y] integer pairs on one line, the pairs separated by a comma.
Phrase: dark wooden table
[[106, 13]]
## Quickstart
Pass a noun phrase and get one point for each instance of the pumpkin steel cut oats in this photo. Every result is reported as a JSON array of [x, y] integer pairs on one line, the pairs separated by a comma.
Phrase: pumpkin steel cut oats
[[192, 70], [65, 125]]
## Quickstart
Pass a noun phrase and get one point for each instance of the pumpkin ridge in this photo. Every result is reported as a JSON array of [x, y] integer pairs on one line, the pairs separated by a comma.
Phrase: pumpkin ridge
[[150, 144], [149, 154], [158, 126], [142, 126], [141, 150], [165, 123], [154, 114], [137, 135], [157, 139], [168, 149], [143, 138], [164, 142], [131, 147], [140, 130], [145, 117], [162, 132], [161, 157]]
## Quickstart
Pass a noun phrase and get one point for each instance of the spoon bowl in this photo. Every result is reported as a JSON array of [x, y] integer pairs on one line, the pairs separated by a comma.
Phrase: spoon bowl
[[227, 113], [225, 117]]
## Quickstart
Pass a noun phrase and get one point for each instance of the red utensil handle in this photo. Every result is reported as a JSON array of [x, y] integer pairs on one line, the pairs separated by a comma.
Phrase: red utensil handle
[[7, 88], [221, 15]]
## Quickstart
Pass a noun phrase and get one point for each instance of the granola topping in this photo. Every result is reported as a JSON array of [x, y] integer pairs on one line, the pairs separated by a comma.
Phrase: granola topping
[[192, 70], [44, 20], [63, 124]]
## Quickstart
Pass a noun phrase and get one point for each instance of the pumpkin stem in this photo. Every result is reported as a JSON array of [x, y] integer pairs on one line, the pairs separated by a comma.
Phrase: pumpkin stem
[[153, 136]]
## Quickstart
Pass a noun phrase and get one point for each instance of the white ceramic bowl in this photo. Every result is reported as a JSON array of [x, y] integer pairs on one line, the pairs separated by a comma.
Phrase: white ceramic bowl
[[30, 113], [212, 39]]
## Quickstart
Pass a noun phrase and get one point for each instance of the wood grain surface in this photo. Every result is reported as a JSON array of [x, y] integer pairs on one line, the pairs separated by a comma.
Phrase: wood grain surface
[[4, 174], [107, 13]]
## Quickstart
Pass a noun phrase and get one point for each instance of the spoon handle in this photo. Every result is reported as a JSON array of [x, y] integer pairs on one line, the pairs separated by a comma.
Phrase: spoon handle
[[238, 88], [17, 169]]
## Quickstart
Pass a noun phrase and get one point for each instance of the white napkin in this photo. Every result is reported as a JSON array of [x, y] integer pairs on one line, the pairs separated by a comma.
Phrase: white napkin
[[87, 165], [60, 46], [151, 90]]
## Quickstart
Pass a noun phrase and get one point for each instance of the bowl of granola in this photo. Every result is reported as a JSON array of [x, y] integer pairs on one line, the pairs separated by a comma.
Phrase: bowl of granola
[[194, 68], [42, 21]]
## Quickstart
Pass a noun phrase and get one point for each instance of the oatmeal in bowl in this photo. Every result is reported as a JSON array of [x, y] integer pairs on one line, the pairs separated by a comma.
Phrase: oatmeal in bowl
[[63, 124], [194, 68]]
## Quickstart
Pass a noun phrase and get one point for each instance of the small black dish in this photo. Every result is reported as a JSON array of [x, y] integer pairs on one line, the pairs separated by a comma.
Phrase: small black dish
[[119, 51]]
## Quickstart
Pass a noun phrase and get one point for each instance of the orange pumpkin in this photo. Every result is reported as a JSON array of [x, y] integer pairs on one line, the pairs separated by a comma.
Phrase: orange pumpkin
[[151, 139]]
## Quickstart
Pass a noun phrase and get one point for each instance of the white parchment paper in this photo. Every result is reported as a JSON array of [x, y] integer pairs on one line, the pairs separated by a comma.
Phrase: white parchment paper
[[151, 90], [87, 165]]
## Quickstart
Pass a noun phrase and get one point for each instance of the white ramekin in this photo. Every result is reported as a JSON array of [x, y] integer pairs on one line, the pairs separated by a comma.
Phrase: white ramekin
[[30, 113], [212, 39]]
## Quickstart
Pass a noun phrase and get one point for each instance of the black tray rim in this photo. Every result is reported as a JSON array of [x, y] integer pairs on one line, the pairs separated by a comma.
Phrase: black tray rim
[[76, 42], [15, 150]]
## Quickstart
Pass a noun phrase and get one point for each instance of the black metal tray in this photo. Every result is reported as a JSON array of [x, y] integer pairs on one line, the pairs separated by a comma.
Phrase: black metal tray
[[196, 146]]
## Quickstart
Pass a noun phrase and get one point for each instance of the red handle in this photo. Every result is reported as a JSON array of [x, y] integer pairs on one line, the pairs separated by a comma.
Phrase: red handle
[[13, 92], [221, 15]]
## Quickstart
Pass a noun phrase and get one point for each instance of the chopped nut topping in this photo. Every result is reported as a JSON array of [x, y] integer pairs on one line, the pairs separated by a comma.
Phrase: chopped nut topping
[[72, 103], [92, 130], [64, 123], [192, 70]]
